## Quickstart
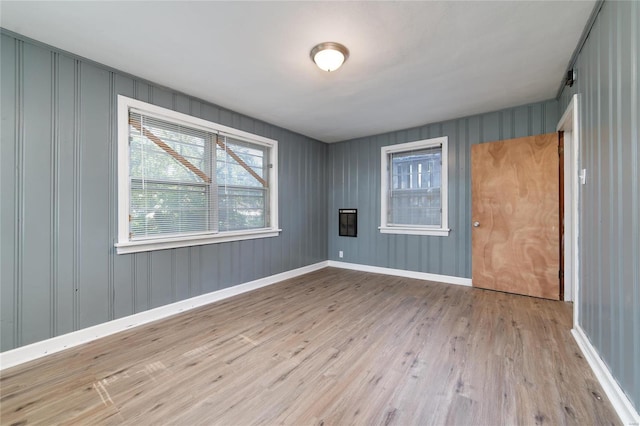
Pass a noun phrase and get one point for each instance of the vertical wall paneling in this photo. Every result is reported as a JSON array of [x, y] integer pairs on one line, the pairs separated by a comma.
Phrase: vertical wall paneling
[[112, 196], [181, 274], [53, 191], [633, 275], [77, 170], [450, 245], [10, 158], [604, 196], [354, 168], [160, 275], [64, 201], [607, 82], [124, 267], [37, 94], [59, 270], [95, 128]]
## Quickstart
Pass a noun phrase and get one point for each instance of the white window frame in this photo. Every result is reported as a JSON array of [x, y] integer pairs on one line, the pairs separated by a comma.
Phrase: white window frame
[[125, 244], [385, 227]]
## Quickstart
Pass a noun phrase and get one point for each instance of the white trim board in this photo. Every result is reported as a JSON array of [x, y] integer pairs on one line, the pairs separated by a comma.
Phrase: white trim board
[[570, 125], [447, 279], [56, 344], [621, 403]]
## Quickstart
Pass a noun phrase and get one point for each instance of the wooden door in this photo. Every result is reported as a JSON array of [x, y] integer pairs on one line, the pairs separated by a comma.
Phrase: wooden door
[[514, 195]]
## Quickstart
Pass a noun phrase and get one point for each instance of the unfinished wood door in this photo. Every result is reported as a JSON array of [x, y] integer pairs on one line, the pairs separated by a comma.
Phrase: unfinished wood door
[[514, 195]]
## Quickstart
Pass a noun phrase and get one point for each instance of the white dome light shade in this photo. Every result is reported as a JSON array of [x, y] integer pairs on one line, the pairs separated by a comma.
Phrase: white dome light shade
[[329, 56], [329, 60]]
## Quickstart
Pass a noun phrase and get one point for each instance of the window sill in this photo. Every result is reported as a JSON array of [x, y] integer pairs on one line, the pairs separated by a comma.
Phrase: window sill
[[408, 230], [192, 240]]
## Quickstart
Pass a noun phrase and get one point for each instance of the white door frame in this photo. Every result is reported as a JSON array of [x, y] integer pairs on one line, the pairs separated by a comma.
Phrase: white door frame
[[570, 125]]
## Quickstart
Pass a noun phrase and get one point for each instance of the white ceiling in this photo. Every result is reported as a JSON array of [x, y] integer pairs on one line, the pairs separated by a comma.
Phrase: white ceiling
[[411, 63]]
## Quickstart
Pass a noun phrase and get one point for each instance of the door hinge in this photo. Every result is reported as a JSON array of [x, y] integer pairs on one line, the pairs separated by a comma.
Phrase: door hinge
[[560, 150], [560, 274]]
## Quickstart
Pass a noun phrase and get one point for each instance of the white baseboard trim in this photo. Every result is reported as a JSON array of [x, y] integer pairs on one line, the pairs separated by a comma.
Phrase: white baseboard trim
[[402, 273], [621, 403], [56, 344]]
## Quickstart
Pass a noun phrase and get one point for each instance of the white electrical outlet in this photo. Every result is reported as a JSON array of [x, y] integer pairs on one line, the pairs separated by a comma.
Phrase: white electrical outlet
[[340, 254]]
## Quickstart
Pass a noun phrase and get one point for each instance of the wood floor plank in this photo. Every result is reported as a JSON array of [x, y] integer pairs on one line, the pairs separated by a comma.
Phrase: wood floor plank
[[332, 347]]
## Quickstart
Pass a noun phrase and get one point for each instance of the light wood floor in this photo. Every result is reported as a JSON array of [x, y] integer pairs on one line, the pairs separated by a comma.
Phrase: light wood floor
[[332, 347]]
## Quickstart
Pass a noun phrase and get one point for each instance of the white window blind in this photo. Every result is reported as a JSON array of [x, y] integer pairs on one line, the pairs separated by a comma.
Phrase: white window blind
[[170, 171], [185, 181]]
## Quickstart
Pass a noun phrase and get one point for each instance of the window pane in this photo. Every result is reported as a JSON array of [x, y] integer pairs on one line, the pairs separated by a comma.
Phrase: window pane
[[241, 208], [231, 172], [242, 185], [414, 197], [162, 208], [149, 161], [168, 197], [176, 167]]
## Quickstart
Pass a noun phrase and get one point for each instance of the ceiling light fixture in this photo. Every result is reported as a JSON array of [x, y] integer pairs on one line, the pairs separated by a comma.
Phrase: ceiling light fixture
[[329, 56]]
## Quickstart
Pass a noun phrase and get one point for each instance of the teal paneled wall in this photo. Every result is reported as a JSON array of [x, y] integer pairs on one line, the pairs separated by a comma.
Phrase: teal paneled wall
[[609, 89], [59, 270], [354, 182]]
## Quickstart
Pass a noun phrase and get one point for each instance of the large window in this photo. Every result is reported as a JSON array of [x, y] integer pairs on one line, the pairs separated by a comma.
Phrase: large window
[[414, 188], [184, 181]]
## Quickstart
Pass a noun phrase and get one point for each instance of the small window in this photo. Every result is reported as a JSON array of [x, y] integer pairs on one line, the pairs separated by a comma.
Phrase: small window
[[184, 181], [414, 188]]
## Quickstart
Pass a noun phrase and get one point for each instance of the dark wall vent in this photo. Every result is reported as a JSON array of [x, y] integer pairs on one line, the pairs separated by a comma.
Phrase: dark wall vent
[[348, 222]]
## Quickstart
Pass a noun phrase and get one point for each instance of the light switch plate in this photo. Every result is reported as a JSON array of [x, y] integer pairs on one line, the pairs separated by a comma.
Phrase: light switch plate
[[583, 176]]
